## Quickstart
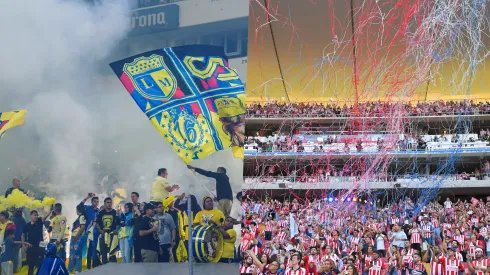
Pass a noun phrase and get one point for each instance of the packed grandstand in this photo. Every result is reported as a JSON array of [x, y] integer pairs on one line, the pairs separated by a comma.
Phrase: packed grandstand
[[367, 109], [324, 195]]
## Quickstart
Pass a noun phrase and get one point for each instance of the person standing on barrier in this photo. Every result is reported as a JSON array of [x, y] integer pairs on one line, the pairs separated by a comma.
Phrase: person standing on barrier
[[147, 229], [160, 188], [224, 194]]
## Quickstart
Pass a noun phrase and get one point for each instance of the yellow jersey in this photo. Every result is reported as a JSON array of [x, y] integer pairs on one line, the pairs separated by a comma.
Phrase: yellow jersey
[[158, 189], [76, 226], [58, 223], [229, 245], [205, 216]]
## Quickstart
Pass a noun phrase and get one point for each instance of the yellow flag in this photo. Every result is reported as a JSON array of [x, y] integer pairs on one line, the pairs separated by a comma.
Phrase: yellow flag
[[10, 120], [191, 96]]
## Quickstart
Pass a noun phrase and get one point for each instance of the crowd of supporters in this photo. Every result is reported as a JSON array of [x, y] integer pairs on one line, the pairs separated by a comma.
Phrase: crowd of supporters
[[122, 229], [368, 109], [349, 236], [356, 143], [324, 172]]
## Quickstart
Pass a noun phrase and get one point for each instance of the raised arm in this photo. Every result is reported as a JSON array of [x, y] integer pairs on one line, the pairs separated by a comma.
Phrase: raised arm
[[203, 172]]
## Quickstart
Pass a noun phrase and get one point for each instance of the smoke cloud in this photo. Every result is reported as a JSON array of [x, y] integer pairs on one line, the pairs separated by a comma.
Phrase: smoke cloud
[[81, 123]]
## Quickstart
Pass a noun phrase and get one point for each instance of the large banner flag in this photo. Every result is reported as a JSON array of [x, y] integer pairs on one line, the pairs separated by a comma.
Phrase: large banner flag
[[191, 96], [293, 227], [10, 120]]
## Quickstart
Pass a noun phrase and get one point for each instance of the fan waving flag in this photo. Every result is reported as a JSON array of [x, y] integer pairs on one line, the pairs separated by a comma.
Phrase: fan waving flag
[[191, 96], [10, 120]]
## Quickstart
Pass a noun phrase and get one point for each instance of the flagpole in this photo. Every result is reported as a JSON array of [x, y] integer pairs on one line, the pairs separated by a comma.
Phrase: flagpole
[[190, 256]]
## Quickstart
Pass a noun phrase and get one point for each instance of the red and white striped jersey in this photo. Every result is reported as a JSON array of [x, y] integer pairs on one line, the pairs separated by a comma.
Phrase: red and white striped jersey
[[299, 271], [245, 241], [333, 243], [256, 250], [427, 229], [416, 237], [268, 251], [393, 261], [247, 269], [314, 259], [471, 250], [254, 231], [367, 259], [436, 268], [451, 267], [355, 241], [376, 268], [283, 223], [482, 263], [407, 257], [281, 236], [323, 217], [269, 226], [244, 206], [311, 242]]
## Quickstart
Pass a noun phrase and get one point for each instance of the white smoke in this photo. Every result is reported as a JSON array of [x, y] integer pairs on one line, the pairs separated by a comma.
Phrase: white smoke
[[80, 118]]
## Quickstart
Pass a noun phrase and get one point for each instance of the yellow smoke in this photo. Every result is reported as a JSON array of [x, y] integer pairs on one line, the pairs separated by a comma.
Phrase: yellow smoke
[[18, 199]]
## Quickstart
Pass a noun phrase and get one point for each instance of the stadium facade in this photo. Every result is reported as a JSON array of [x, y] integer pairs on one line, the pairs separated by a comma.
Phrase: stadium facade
[[169, 23]]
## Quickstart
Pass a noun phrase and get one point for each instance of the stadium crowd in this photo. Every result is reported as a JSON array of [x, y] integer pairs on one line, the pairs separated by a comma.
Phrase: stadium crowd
[[368, 109], [122, 229], [366, 143], [331, 170], [351, 236]]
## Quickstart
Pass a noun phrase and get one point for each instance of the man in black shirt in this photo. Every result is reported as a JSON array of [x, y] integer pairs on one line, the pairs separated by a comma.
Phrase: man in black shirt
[[106, 224], [33, 234], [224, 195], [15, 185], [147, 230]]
